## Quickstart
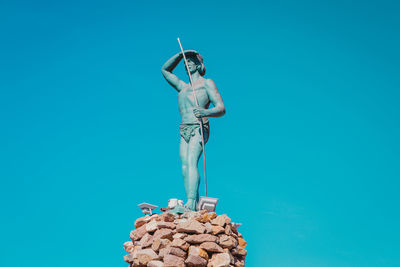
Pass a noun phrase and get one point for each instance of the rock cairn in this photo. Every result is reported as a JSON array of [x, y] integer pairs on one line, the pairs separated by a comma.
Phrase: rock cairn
[[198, 239]]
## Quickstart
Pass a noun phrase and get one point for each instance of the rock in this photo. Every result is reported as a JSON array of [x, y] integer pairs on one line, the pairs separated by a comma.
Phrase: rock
[[208, 227], [193, 215], [146, 241], [206, 217], [151, 226], [211, 247], [228, 229], [141, 221], [179, 243], [177, 252], [163, 252], [226, 241], [128, 258], [163, 234], [167, 217], [192, 227], [230, 255], [234, 228], [160, 244], [195, 261], [221, 220], [196, 251], [239, 262], [179, 221], [169, 225], [180, 235], [146, 255], [239, 251], [173, 261], [138, 233], [155, 217], [129, 247], [155, 264], [201, 238], [220, 260], [216, 229], [242, 242]]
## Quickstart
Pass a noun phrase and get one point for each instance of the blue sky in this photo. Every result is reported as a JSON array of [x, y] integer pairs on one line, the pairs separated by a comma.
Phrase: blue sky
[[306, 157]]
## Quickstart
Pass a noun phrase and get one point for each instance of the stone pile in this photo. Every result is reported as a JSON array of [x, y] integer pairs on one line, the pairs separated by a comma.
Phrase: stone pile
[[198, 239]]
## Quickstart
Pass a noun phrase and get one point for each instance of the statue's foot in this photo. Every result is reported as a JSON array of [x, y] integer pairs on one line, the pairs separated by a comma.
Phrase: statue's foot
[[191, 204]]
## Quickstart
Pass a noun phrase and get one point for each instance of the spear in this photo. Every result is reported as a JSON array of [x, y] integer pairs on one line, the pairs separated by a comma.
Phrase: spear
[[200, 119]]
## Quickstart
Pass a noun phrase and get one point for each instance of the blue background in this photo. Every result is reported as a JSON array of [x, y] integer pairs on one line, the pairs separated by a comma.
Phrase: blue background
[[306, 157]]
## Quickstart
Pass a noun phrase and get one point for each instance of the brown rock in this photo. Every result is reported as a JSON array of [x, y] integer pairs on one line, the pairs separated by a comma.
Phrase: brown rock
[[220, 260], [201, 238], [163, 234], [156, 245], [234, 228], [141, 221], [221, 220], [239, 251], [180, 235], [129, 247], [138, 233], [146, 240], [151, 226], [163, 224], [173, 261], [128, 258], [159, 244], [226, 241], [242, 242], [192, 215], [211, 247], [239, 262], [177, 252], [179, 243], [167, 217], [146, 255], [208, 227], [206, 217], [216, 229], [155, 217], [163, 252], [195, 261], [230, 255], [155, 264], [228, 229], [196, 251], [192, 227]]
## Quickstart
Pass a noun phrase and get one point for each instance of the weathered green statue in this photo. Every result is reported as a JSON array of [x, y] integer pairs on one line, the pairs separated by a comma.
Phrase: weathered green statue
[[190, 147]]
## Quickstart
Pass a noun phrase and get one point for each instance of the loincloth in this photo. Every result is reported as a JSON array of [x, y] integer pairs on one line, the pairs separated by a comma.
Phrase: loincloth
[[187, 130]]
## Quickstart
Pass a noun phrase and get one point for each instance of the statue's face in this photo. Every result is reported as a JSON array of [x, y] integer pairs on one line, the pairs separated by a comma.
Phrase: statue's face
[[193, 64]]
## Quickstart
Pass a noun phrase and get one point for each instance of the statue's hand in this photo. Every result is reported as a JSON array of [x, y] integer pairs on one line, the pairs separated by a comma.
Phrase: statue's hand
[[199, 112]]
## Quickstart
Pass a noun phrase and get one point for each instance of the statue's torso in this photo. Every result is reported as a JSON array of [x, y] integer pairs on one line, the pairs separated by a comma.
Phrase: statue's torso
[[186, 102]]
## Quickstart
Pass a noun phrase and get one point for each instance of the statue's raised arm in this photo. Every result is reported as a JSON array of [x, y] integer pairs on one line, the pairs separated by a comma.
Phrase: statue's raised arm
[[170, 65]]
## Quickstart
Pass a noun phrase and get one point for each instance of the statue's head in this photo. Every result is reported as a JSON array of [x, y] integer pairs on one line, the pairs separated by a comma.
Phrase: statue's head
[[195, 63]]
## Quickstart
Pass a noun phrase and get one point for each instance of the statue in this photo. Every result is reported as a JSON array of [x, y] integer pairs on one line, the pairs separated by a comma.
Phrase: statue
[[191, 146]]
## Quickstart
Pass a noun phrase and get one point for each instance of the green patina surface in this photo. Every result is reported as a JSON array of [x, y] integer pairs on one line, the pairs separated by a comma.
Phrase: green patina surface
[[190, 147]]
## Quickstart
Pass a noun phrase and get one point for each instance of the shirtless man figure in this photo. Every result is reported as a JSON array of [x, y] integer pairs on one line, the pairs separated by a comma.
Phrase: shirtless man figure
[[190, 147]]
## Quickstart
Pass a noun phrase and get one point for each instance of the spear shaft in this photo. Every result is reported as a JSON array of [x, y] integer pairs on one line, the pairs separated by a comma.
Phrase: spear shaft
[[200, 119]]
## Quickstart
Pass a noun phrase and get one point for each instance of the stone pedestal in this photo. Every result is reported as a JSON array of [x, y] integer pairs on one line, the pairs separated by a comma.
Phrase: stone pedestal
[[198, 239]]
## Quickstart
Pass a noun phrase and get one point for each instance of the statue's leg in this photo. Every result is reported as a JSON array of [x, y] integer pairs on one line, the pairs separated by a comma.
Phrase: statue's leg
[[183, 154], [194, 152]]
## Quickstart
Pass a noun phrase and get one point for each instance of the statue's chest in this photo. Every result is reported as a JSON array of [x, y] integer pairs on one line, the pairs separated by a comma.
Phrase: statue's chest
[[186, 96]]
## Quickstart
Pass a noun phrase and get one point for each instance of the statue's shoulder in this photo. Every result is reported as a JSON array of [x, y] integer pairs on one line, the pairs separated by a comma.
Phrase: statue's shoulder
[[209, 83]]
